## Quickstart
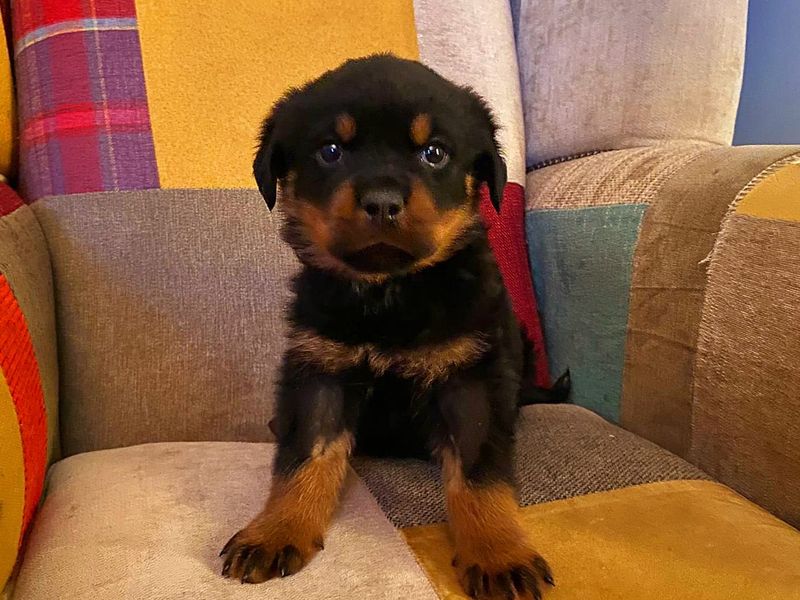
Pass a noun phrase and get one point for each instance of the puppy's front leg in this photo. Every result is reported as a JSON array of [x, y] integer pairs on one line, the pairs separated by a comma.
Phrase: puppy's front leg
[[313, 449], [495, 558]]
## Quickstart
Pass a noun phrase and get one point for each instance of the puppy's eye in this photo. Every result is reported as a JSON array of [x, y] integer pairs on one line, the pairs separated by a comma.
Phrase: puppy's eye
[[434, 156], [330, 153]]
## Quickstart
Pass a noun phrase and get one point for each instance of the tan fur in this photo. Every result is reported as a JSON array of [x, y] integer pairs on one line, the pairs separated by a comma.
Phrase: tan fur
[[345, 127], [427, 364], [484, 521], [300, 507], [341, 220], [421, 128]]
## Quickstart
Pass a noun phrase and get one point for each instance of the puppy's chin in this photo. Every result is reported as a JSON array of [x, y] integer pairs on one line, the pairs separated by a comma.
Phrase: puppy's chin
[[380, 259]]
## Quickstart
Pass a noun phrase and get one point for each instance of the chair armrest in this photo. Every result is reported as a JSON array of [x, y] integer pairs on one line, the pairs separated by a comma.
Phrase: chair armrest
[[669, 283], [28, 372]]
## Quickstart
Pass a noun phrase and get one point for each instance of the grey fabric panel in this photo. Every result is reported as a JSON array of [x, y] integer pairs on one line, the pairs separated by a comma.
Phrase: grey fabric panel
[[562, 451], [147, 522], [170, 307], [26, 265], [604, 75]]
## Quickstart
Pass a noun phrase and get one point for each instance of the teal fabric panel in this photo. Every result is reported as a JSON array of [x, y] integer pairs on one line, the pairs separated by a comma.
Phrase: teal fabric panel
[[581, 260]]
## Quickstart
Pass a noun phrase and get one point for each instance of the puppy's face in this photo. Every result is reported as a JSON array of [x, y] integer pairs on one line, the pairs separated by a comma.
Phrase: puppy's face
[[379, 163]]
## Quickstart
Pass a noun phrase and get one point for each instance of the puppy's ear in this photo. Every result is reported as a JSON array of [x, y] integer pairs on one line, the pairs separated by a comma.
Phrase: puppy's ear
[[490, 168], [270, 164]]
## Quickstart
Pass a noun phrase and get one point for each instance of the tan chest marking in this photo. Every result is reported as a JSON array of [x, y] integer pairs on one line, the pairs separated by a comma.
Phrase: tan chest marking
[[427, 364]]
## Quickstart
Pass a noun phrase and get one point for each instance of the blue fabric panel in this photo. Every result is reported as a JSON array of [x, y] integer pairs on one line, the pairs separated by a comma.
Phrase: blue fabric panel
[[581, 260]]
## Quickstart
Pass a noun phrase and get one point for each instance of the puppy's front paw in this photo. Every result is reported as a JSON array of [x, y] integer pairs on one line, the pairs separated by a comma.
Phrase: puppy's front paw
[[269, 548], [518, 578]]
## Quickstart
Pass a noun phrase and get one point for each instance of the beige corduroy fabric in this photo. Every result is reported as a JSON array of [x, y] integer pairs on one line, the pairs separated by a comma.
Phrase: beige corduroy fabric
[[171, 314], [630, 176], [609, 74], [746, 415], [147, 522]]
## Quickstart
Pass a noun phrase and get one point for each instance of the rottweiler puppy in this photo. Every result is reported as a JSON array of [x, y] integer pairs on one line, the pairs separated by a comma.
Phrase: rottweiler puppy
[[402, 341]]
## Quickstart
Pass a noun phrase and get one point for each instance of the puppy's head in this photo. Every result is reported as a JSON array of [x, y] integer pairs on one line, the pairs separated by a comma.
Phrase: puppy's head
[[379, 162]]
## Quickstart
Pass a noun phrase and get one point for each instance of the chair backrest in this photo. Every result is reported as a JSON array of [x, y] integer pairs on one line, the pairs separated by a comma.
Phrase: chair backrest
[[613, 74], [138, 123]]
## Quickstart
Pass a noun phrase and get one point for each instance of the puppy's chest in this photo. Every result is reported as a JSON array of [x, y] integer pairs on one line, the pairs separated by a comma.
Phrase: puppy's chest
[[425, 363]]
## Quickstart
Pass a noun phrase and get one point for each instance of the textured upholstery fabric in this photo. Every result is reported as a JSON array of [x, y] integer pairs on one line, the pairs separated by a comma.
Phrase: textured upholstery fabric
[[668, 289], [618, 243], [685, 539], [171, 314], [602, 75], [562, 451], [146, 523], [150, 519], [682, 318]]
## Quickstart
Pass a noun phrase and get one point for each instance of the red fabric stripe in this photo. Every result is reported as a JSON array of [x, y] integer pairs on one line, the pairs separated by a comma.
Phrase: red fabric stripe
[[77, 119], [18, 362], [9, 200], [507, 238], [29, 15]]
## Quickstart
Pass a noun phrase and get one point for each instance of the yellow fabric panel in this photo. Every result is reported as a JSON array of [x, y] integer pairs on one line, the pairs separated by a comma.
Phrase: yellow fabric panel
[[777, 196], [12, 482], [678, 539], [8, 116], [213, 69]]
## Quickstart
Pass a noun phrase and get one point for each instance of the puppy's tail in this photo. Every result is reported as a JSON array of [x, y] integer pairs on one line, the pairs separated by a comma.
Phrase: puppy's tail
[[558, 393], [534, 394]]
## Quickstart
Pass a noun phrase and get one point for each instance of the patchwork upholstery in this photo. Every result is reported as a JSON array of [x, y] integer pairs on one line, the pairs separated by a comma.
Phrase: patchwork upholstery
[[599, 75], [654, 291], [562, 452], [28, 417], [138, 125], [149, 519]]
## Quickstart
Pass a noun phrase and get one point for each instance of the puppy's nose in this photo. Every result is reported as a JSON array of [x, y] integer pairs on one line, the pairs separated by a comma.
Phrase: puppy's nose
[[383, 204]]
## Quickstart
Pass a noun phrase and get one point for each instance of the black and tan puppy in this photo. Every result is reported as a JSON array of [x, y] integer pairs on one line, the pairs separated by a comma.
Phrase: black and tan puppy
[[402, 340]]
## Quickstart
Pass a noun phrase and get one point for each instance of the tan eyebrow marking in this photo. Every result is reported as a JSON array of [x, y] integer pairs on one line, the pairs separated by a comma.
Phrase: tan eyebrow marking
[[421, 128], [345, 127]]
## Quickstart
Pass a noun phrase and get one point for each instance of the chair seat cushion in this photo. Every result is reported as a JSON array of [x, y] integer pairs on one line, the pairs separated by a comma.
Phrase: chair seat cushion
[[616, 517]]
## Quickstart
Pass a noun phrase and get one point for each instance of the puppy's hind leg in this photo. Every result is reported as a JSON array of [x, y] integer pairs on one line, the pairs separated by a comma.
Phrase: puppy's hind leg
[[311, 462]]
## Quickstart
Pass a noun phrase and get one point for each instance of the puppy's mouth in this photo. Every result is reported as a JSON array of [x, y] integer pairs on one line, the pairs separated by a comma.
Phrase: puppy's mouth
[[379, 258]]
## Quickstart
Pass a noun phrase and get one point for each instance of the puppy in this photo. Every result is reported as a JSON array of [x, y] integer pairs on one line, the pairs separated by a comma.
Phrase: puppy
[[401, 340]]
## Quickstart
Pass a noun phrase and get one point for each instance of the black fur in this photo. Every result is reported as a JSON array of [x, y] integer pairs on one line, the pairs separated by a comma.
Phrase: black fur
[[476, 408]]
